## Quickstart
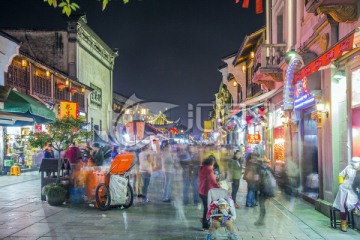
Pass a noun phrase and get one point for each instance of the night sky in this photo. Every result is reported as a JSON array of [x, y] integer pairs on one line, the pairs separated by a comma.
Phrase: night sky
[[169, 50]]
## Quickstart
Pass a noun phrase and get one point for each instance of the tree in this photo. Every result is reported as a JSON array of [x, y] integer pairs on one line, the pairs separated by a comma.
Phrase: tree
[[61, 134], [69, 5]]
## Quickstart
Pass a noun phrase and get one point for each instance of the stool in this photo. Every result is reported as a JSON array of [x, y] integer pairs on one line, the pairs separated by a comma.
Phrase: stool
[[14, 171], [334, 222]]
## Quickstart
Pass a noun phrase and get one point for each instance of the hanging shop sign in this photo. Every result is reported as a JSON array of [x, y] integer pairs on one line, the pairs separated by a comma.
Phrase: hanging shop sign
[[253, 138], [38, 128], [96, 95], [302, 97], [325, 59], [207, 126], [67, 109]]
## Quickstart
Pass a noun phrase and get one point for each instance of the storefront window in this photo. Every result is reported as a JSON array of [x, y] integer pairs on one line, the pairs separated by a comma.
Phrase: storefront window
[[355, 105]]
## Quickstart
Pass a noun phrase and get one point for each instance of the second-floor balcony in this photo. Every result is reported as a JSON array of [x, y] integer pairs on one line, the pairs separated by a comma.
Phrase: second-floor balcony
[[266, 68]]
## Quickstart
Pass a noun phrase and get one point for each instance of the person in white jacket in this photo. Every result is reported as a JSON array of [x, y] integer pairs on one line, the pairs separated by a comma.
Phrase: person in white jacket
[[346, 198]]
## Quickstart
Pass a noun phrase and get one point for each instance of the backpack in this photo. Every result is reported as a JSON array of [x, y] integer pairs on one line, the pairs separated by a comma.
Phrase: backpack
[[268, 185]]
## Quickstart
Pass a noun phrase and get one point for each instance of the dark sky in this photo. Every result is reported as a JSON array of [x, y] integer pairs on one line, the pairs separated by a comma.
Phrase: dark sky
[[169, 50]]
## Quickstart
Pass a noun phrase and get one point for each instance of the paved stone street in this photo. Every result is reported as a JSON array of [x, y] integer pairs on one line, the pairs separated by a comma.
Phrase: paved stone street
[[24, 216]]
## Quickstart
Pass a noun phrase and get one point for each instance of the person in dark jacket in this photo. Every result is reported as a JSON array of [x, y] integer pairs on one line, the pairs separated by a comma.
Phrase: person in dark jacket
[[97, 154], [49, 152], [207, 181], [236, 168]]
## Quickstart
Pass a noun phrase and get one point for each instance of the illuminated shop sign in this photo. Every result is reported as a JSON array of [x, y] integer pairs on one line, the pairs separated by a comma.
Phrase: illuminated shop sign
[[302, 96], [67, 109], [253, 138]]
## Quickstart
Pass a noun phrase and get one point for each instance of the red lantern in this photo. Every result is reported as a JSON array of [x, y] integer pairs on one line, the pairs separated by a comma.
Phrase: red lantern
[[248, 119], [261, 111], [61, 86], [72, 90]]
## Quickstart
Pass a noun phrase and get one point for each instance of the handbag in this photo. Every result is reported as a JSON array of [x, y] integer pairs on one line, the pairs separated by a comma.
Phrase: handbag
[[223, 184]]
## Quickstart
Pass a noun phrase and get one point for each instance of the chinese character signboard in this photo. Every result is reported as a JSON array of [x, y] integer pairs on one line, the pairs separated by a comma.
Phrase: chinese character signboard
[[67, 109], [207, 126], [253, 138], [96, 95]]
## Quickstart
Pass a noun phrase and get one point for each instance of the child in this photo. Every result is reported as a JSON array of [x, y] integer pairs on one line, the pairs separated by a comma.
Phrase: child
[[222, 208]]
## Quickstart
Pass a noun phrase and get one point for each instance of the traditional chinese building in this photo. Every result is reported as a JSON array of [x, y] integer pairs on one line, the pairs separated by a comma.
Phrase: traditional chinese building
[[79, 57]]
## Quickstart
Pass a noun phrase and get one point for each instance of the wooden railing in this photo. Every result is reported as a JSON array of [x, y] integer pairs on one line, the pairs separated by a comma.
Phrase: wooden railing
[[269, 56]]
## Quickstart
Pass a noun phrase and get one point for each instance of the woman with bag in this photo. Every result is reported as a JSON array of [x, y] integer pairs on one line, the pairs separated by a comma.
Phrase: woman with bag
[[236, 167]]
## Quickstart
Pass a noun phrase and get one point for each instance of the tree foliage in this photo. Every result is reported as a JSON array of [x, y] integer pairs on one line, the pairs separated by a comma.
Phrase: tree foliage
[[69, 6], [61, 134]]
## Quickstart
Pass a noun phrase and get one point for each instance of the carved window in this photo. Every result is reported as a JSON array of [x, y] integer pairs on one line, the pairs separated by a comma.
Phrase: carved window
[[42, 85], [280, 28], [80, 99], [62, 94], [18, 77]]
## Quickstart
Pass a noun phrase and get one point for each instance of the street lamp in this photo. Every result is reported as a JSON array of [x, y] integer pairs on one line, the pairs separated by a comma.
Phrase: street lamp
[[235, 83]]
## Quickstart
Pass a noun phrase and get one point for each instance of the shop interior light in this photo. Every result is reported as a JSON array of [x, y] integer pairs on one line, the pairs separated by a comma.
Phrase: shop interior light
[[339, 74]]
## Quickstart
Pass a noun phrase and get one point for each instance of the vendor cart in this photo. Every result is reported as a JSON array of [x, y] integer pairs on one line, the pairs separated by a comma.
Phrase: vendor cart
[[116, 190]]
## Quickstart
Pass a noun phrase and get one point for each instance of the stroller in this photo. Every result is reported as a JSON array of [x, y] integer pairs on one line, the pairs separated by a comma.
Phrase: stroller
[[214, 197]]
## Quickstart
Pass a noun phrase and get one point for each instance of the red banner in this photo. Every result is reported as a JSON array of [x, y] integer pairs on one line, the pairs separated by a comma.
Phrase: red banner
[[325, 59], [259, 7], [246, 4]]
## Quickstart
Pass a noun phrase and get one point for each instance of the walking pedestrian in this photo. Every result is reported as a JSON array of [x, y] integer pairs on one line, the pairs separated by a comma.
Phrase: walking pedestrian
[[207, 181], [251, 176], [236, 168], [145, 168], [168, 166]]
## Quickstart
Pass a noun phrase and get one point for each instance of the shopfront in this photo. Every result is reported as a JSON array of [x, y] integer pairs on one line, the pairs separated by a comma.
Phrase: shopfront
[[278, 141], [355, 112]]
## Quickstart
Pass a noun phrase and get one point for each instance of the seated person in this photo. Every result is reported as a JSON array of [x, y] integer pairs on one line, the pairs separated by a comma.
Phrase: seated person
[[221, 206]]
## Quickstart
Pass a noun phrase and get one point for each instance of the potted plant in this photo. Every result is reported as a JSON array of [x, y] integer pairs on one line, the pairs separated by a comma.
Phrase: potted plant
[[55, 193]]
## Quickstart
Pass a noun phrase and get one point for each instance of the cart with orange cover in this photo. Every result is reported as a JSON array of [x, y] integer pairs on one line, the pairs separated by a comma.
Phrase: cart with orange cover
[[116, 189]]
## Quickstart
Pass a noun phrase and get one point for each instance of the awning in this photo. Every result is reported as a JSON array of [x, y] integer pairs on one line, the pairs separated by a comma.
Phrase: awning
[[261, 98], [26, 106], [10, 119], [346, 44]]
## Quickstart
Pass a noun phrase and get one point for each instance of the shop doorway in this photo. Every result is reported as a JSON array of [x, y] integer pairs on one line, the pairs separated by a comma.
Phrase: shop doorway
[[310, 170]]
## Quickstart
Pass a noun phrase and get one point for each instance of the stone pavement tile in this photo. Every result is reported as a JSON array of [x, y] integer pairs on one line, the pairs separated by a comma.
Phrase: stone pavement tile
[[22, 222], [21, 238], [35, 230], [57, 237], [5, 232]]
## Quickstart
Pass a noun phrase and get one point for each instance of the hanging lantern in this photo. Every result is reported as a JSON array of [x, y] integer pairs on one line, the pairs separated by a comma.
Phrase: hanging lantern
[[60, 86], [47, 73], [252, 55], [67, 82], [248, 119], [243, 68], [83, 90], [24, 63], [72, 90], [261, 111]]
